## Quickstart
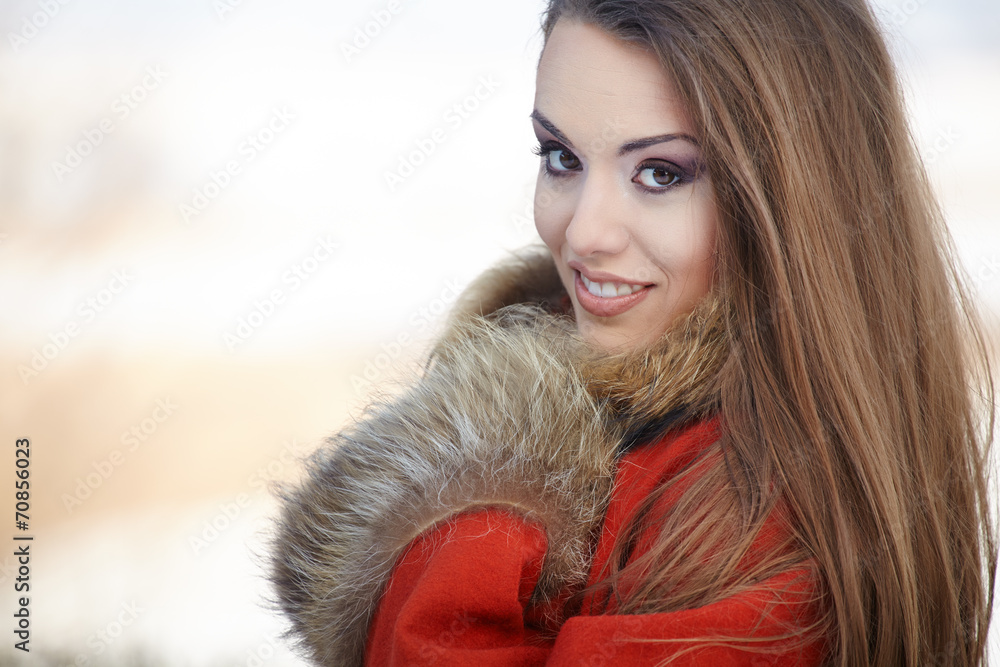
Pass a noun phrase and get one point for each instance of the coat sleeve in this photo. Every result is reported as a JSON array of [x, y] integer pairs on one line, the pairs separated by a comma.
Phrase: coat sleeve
[[499, 418], [458, 596]]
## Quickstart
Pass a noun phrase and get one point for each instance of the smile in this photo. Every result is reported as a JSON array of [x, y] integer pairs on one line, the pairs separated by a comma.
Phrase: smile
[[606, 290], [607, 299]]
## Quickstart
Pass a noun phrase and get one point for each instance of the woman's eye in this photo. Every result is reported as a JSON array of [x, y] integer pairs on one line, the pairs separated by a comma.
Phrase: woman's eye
[[557, 160], [562, 160], [657, 177]]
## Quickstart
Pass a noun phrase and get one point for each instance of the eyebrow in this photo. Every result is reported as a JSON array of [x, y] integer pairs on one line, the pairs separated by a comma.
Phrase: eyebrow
[[550, 126], [625, 148]]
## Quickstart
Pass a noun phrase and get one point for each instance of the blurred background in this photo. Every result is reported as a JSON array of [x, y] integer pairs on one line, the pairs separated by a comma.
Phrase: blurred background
[[224, 223]]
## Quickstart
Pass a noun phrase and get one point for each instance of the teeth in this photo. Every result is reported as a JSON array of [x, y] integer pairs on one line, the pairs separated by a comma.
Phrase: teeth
[[608, 290]]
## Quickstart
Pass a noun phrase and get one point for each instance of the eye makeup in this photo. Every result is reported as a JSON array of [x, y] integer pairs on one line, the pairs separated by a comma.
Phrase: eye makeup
[[548, 150], [653, 175]]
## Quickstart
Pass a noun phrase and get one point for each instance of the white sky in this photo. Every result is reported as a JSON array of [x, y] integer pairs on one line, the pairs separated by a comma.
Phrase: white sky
[[325, 174]]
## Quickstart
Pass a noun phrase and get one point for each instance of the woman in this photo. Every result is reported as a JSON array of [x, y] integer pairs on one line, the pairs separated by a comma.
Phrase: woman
[[725, 418]]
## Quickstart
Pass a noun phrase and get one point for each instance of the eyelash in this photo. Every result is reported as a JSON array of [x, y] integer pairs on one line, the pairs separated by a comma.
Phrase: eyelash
[[546, 148]]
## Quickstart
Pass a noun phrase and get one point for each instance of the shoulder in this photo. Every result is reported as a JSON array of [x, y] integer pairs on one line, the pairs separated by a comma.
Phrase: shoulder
[[500, 417]]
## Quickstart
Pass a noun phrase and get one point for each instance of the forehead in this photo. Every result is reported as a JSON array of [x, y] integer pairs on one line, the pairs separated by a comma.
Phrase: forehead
[[588, 78]]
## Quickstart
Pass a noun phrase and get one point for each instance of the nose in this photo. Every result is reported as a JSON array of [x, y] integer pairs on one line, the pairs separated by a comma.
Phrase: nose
[[598, 225]]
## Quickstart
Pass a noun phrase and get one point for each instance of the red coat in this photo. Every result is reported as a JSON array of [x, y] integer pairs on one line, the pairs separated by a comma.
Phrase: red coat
[[459, 593], [435, 529]]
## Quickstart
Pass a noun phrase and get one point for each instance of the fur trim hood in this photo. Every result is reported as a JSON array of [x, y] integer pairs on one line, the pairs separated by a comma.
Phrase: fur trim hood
[[511, 410]]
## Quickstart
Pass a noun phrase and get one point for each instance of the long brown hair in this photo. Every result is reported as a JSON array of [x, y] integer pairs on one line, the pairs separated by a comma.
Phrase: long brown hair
[[857, 392]]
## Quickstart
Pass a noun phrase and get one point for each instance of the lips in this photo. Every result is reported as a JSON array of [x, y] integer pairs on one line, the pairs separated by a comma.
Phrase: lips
[[609, 288], [627, 295]]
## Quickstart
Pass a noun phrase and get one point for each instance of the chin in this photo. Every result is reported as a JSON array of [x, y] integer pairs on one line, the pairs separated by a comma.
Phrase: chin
[[608, 338]]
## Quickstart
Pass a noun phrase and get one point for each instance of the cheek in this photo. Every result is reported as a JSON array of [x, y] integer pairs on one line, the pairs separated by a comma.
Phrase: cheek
[[700, 247], [686, 250], [706, 235], [699, 260], [553, 211]]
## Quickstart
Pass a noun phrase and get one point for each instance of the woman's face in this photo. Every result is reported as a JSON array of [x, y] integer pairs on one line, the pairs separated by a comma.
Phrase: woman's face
[[623, 201]]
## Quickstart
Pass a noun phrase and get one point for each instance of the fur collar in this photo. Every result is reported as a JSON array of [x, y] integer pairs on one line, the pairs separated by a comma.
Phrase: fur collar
[[512, 410]]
